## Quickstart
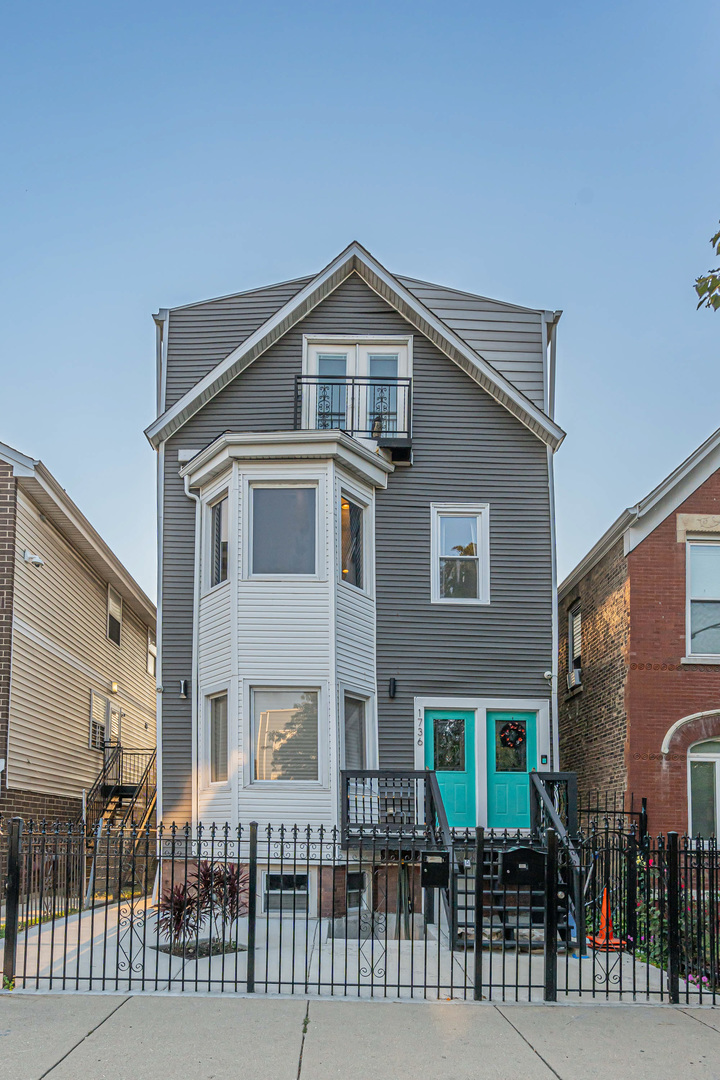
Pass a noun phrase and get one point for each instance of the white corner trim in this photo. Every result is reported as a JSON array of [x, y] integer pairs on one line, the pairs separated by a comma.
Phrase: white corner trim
[[664, 749]]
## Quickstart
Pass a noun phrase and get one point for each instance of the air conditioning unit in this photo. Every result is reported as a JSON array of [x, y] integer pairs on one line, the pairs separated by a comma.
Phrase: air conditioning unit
[[574, 679]]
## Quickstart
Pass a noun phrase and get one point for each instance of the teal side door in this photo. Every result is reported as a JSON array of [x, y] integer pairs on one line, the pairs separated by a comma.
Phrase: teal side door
[[450, 751], [511, 754]]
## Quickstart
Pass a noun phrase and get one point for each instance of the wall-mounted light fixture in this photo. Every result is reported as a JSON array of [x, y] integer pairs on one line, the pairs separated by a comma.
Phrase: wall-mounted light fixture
[[392, 688], [183, 688], [114, 687]]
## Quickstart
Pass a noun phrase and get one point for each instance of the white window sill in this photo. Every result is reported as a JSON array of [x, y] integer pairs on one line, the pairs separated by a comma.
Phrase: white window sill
[[458, 601], [701, 660]]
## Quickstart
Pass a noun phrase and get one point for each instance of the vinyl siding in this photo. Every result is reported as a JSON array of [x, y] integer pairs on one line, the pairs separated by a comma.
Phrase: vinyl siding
[[60, 654], [466, 446], [201, 335], [507, 336]]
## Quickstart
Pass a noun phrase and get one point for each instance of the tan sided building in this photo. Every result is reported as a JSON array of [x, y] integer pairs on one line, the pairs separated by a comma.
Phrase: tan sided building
[[77, 649]]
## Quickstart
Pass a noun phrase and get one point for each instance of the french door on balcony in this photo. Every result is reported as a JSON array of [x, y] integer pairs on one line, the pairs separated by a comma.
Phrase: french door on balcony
[[354, 387]]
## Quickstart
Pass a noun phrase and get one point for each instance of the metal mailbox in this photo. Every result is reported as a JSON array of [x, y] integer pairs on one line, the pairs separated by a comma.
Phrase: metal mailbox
[[435, 869], [523, 866]]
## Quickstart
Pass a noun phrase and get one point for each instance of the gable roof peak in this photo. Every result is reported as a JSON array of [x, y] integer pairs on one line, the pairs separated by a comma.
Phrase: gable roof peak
[[356, 258]]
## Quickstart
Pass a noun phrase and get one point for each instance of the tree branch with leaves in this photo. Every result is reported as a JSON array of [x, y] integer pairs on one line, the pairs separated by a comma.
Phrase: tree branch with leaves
[[708, 286]]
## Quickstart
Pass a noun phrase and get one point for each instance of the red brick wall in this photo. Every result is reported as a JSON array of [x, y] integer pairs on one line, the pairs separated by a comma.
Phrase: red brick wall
[[592, 724], [35, 806], [660, 689]]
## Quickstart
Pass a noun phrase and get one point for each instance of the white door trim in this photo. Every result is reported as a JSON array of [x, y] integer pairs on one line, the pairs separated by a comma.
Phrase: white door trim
[[481, 706]]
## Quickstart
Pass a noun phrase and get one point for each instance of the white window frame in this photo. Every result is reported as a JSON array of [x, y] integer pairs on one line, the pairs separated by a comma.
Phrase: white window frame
[[481, 511], [692, 756], [347, 491], [268, 481], [100, 697], [371, 756], [358, 348], [320, 687], [117, 644], [151, 651], [691, 657], [305, 871], [221, 689], [211, 500]]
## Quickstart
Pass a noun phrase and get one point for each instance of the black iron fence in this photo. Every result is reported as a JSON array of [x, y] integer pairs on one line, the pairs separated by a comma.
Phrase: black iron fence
[[299, 910]]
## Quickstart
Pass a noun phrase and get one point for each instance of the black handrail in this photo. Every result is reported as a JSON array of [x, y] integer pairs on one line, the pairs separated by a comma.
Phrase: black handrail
[[373, 407], [145, 795], [540, 797], [97, 797]]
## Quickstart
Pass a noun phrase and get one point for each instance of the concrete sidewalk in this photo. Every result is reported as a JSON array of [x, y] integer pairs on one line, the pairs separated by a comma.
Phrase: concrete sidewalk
[[94, 1037]]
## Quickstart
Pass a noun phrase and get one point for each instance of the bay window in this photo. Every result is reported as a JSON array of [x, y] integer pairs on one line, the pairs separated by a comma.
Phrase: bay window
[[283, 529], [351, 542]]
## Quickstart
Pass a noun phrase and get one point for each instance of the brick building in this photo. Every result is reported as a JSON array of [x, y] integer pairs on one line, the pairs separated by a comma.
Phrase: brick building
[[639, 665]]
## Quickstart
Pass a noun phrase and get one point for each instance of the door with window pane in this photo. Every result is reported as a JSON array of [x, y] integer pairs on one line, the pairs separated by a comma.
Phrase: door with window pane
[[450, 751], [331, 400], [511, 756]]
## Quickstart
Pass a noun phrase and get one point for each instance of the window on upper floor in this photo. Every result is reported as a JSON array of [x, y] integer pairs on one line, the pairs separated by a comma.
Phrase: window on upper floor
[[362, 387], [355, 731], [703, 598], [351, 542], [219, 541], [574, 646], [114, 615], [460, 553], [151, 653], [283, 529]]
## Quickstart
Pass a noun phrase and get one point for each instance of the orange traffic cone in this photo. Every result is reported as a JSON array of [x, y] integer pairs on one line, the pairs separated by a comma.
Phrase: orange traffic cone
[[606, 939]]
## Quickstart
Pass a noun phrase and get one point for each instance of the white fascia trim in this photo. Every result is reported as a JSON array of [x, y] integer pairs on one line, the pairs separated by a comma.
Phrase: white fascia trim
[[288, 445], [21, 463], [356, 259], [664, 749]]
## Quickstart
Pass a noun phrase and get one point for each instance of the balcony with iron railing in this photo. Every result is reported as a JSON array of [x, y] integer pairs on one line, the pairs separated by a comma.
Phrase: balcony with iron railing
[[362, 406]]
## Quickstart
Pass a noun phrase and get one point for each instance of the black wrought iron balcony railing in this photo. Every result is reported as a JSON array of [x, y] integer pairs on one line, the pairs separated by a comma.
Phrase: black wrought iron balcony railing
[[370, 408]]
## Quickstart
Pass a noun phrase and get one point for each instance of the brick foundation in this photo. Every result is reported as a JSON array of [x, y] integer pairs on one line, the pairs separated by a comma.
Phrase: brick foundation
[[36, 806]]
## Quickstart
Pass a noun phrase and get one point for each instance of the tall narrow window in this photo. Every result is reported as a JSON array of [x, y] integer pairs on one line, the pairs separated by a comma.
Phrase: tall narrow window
[[218, 738], [285, 734], [114, 615], [351, 533], [704, 598], [355, 734], [151, 652], [574, 639], [704, 769], [219, 528], [283, 530], [460, 555]]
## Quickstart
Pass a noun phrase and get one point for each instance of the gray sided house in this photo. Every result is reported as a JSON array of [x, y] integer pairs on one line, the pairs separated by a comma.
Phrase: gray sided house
[[356, 546]]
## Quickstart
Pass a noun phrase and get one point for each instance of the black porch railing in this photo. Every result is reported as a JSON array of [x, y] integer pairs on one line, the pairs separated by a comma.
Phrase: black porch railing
[[127, 784], [291, 909], [372, 408]]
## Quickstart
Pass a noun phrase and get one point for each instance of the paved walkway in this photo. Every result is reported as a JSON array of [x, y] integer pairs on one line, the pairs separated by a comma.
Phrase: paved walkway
[[138, 1037]]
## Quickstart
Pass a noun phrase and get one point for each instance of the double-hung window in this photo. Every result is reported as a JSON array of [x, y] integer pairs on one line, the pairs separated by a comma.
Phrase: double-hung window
[[460, 553], [114, 615], [283, 529], [219, 541], [574, 646], [218, 722], [703, 598]]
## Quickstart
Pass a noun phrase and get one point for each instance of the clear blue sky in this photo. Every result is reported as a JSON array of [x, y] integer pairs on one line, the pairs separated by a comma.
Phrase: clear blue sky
[[559, 155]]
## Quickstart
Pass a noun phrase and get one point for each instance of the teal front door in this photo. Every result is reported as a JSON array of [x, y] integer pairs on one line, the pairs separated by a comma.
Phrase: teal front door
[[450, 751], [511, 754]]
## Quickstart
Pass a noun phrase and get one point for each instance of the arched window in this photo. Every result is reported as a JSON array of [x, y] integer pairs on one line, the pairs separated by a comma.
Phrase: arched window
[[704, 787]]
